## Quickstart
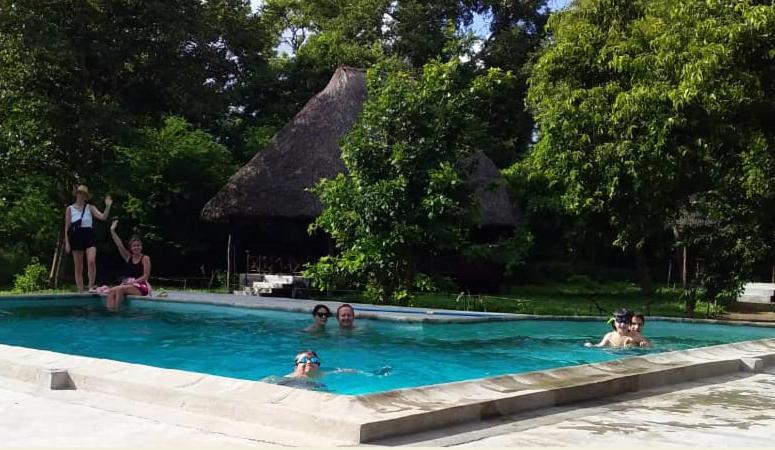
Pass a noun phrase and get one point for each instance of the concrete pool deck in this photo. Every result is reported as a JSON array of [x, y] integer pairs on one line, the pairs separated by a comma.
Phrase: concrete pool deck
[[374, 417], [729, 411]]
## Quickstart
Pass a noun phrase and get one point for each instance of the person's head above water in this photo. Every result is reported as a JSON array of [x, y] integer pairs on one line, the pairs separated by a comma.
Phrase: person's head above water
[[345, 314], [306, 363], [622, 320], [321, 313], [638, 321]]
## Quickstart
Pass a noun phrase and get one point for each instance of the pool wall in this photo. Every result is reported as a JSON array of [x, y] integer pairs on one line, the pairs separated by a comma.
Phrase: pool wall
[[365, 418]]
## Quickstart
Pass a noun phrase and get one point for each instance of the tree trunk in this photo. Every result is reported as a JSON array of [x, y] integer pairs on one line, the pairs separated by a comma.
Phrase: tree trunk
[[644, 275]]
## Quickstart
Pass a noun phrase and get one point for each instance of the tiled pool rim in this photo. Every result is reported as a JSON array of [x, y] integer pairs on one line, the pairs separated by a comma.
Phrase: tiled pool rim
[[364, 418]]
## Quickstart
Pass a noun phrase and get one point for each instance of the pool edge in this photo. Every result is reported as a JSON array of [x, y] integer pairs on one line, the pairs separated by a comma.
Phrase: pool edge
[[366, 418]]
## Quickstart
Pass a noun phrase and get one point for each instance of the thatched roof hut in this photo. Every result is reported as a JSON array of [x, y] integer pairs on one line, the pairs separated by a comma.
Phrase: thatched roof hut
[[273, 185]]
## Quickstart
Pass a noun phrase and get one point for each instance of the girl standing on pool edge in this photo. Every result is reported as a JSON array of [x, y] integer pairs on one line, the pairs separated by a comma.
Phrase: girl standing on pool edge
[[79, 234]]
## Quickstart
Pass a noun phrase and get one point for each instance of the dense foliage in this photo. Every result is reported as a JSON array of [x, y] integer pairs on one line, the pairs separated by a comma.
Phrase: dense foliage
[[405, 197], [627, 129], [652, 109]]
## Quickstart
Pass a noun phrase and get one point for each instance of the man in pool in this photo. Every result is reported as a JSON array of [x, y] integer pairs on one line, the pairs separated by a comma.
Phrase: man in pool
[[345, 315], [621, 337], [636, 330]]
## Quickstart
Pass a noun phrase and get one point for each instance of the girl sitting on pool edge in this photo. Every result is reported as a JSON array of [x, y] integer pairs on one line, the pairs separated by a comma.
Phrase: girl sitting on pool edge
[[136, 272]]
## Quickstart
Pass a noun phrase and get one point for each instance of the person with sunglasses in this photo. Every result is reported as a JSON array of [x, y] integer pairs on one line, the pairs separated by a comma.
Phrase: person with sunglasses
[[320, 315], [621, 336]]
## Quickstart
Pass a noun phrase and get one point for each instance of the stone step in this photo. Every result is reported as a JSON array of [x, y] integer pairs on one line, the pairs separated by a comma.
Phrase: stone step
[[770, 286], [755, 298], [758, 293]]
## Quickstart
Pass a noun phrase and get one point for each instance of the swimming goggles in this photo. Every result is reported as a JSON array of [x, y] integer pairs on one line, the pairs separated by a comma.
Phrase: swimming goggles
[[305, 359]]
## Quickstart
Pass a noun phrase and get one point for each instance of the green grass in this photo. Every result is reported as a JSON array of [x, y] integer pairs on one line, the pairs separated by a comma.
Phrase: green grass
[[573, 299]]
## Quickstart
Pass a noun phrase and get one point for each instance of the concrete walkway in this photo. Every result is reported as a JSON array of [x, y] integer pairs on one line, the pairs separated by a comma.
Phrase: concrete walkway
[[731, 411], [734, 411], [72, 419]]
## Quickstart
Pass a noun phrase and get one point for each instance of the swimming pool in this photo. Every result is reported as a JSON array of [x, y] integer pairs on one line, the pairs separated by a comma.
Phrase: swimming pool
[[253, 344]]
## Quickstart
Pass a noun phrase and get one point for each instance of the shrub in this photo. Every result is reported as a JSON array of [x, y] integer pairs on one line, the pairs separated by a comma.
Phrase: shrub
[[32, 279]]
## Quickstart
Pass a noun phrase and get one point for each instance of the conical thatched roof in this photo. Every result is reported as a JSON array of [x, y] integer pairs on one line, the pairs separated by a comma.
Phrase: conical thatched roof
[[273, 185]]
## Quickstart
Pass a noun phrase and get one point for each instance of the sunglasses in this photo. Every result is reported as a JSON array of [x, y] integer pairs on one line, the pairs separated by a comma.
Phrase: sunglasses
[[311, 359], [323, 314], [621, 320]]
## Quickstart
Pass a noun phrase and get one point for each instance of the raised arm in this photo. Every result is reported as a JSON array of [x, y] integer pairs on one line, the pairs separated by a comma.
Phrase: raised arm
[[117, 240], [102, 215], [67, 227]]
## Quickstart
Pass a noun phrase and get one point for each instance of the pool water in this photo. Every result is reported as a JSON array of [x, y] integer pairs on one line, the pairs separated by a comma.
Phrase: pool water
[[254, 344]]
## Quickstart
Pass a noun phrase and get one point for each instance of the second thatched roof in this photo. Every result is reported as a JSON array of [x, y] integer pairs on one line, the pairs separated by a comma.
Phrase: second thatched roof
[[274, 184]]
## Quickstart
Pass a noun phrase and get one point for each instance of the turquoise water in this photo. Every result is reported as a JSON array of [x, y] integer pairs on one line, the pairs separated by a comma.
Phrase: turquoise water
[[254, 344]]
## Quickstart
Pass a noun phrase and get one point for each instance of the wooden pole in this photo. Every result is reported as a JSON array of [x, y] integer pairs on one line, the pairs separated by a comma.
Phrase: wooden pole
[[228, 265], [54, 272], [683, 270]]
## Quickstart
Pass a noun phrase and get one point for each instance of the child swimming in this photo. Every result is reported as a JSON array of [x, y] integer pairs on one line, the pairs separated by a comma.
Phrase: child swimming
[[636, 330], [621, 336]]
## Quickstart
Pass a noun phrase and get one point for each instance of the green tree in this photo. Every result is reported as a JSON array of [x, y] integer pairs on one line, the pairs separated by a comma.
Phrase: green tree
[[404, 198], [645, 104], [78, 76], [162, 181]]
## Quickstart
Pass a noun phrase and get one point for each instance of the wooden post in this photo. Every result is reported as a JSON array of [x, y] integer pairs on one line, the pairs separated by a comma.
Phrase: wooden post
[[54, 272], [228, 265], [669, 270], [683, 270]]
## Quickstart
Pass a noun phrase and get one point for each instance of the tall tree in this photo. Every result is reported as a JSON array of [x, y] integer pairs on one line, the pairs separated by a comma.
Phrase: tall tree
[[78, 75], [646, 104], [404, 197]]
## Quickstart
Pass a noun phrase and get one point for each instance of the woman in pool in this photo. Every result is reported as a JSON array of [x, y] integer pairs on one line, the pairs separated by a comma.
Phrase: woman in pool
[[621, 336], [136, 272], [79, 234], [320, 315]]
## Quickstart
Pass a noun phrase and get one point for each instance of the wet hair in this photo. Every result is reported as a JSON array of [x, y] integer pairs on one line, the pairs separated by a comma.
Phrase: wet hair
[[320, 306], [624, 313], [342, 306], [639, 316], [133, 239]]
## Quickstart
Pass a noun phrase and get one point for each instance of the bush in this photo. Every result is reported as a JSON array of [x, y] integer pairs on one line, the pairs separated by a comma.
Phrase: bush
[[32, 279], [11, 263]]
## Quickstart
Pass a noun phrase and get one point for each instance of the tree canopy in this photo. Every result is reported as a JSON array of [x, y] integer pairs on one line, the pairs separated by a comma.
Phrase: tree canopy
[[644, 105]]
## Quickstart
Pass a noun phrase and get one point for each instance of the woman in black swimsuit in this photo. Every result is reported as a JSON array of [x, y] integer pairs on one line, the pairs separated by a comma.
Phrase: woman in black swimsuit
[[136, 271]]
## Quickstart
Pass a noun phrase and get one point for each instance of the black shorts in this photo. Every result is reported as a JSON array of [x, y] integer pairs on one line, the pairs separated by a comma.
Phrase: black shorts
[[81, 238]]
